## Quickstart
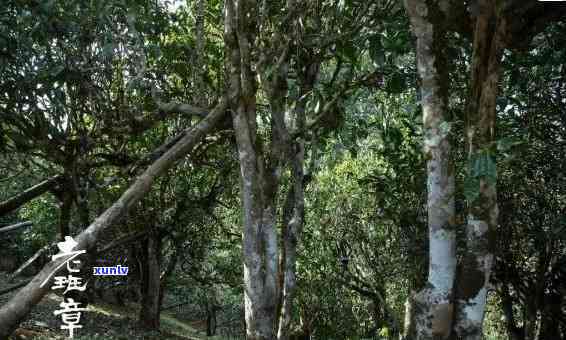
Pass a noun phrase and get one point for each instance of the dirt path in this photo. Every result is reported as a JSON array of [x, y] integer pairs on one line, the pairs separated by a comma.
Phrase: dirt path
[[101, 321]]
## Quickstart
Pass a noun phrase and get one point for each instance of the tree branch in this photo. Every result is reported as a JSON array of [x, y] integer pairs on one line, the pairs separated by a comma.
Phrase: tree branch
[[176, 107], [27, 195], [30, 261], [15, 226], [123, 240], [22, 302]]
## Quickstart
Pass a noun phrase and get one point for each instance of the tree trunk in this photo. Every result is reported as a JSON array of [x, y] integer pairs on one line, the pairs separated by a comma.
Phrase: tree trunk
[[550, 325], [200, 55], [65, 215], [22, 302], [258, 182], [211, 321], [211, 308], [513, 331], [151, 283], [292, 230], [433, 305], [475, 269], [167, 273], [259, 236], [530, 321], [409, 322]]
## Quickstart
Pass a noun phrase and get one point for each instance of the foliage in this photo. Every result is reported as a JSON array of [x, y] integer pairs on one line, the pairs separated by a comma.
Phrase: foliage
[[81, 88]]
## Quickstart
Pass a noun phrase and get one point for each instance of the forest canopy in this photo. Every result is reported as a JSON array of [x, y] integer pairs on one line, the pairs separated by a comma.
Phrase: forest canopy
[[285, 169]]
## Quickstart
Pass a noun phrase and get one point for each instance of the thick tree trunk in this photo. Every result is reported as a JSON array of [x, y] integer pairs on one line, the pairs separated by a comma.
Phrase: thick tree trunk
[[258, 184], [211, 321], [22, 302], [66, 206], [259, 238], [211, 308], [409, 320], [475, 269], [166, 274], [261, 168], [151, 283], [27, 195], [433, 305]]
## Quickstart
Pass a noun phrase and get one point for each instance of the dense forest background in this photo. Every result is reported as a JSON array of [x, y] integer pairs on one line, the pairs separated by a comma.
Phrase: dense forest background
[[287, 169]]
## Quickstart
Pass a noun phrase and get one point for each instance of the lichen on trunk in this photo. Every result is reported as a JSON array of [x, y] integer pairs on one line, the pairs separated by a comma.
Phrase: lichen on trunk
[[475, 269], [433, 305]]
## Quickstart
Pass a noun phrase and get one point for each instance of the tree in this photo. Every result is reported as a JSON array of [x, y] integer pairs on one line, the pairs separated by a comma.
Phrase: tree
[[527, 274], [494, 29], [18, 307], [434, 307]]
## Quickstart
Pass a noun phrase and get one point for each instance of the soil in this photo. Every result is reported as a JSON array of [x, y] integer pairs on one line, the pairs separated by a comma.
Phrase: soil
[[100, 321]]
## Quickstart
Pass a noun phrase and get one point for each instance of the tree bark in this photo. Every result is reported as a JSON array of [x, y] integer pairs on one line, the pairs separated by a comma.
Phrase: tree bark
[[166, 274], [22, 302], [550, 324], [211, 308], [66, 206], [200, 52], [294, 210], [433, 305], [513, 331], [475, 269], [14, 287], [291, 235], [257, 183], [27, 195], [151, 283]]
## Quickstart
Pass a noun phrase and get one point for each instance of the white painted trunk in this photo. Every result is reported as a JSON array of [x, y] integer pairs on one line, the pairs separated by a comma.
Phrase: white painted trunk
[[472, 297], [433, 305]]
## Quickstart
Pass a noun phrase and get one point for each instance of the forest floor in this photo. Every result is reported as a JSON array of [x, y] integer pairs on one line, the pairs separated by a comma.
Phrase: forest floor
[[100, 321]]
